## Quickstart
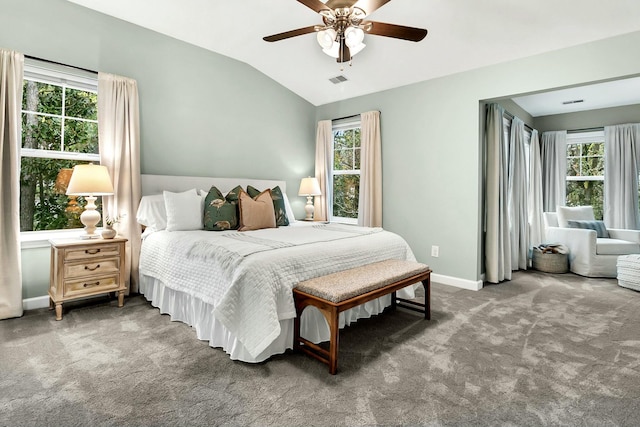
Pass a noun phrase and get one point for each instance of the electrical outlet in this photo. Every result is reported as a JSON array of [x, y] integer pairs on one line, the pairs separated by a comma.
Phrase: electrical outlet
[[435, 251]]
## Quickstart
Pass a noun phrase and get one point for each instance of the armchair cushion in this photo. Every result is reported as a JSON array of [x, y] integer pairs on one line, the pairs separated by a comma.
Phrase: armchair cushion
[[601, 230], [577, 213], [616, 247]]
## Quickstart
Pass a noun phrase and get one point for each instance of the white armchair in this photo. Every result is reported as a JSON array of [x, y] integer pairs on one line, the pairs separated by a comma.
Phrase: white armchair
[[589, 255]]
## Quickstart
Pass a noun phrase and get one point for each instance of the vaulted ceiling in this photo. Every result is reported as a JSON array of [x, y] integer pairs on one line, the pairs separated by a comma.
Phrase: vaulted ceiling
[[463, 35]]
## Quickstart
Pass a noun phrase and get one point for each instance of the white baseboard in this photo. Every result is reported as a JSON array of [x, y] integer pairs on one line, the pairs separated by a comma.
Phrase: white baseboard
[[471, 285], [37, 302]]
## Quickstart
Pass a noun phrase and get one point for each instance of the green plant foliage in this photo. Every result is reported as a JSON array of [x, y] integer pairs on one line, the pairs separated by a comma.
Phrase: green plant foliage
[[346, 187], [586, 160]]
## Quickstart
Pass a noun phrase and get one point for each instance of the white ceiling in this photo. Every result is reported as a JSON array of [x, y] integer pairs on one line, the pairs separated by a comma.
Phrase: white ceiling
[[600, 95], [463, 35]]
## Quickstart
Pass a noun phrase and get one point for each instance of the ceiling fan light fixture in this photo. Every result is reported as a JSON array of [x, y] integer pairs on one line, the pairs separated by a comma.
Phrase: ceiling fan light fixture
[[353, 36], [332, 51], [326, 38]]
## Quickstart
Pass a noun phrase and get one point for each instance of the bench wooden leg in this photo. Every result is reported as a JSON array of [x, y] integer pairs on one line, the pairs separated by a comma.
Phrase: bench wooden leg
[[427, 297], [334, 340]]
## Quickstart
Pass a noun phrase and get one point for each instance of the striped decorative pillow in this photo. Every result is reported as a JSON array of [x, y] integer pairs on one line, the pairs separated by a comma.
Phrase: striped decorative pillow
[[601, 230]]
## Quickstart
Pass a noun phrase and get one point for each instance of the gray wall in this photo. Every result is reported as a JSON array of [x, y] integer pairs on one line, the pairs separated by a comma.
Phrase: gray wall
[[432, 152], [200, 113], [589, 119]]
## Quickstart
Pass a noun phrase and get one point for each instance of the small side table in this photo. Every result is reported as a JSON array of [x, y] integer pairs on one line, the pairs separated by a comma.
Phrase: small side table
[[82, 268]]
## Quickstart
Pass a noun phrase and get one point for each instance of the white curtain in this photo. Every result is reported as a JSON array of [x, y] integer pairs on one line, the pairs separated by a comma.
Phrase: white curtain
[[554, 169], [536, 224], [11, 75], [518, 195], [370, 201], [497, 242], [119, 141], [324, 154], [621, 168]]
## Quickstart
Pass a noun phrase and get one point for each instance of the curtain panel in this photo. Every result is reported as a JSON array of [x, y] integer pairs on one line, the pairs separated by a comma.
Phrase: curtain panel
[[536, 221], [621, 168], [497, 242], [370, 199], [554, 169], [324, 148], [518, 195], [11, 76], [119, 141]]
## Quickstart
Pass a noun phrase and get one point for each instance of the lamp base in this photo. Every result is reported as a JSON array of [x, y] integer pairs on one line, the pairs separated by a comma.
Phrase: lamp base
[[90, 218], [308, 209], [89, 236]]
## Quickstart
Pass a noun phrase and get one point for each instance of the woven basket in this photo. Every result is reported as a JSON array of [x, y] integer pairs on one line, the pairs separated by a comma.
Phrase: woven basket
[[550, 262]]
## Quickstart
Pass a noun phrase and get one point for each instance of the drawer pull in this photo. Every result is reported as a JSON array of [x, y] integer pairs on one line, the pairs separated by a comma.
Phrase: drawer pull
[[88, 285], [86, 267], [91, 251]]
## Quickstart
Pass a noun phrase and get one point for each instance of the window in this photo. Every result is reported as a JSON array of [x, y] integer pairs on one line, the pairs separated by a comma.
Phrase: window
[[346, 172], [585, 170], [59, 130]]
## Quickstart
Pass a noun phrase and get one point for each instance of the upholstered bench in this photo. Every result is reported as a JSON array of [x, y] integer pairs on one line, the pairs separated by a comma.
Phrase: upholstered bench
[[337, 292], [628, 268]]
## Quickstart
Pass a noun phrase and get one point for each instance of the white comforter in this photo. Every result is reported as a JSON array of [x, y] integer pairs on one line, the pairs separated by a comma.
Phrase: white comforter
[[248, 276]]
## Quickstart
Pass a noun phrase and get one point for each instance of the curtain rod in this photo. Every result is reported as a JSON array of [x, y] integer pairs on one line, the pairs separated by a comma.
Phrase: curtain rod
[[60, 63], [585, 130], [511, 116], [345, 117]]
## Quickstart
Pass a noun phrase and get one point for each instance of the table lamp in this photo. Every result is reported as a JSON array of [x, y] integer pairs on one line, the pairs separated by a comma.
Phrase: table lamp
[[309, 187], [90, 181]]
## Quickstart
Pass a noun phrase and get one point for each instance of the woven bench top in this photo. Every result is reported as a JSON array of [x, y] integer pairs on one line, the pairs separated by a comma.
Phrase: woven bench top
[[343, 285]]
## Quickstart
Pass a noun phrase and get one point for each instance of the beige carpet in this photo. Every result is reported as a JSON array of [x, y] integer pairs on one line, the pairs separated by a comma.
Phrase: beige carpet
[[541, 349]]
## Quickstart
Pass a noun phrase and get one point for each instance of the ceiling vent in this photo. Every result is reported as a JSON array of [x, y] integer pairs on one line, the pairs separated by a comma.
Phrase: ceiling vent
[[338, 79], [575, 101]]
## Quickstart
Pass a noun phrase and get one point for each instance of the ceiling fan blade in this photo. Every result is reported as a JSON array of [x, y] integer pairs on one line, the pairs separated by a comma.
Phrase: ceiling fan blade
[[370, 6], [396, 31], [344, 53], [315, 5], [289, 34]]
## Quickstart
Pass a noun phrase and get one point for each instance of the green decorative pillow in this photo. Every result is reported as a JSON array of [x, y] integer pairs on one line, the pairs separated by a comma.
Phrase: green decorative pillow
[[598, 226], [220, 212], [278, 203]]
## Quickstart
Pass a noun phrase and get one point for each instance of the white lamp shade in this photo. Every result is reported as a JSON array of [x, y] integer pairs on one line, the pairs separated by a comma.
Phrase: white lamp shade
[[333, 51], [309, 187], [90, 179], [353, 36], [326, 37]]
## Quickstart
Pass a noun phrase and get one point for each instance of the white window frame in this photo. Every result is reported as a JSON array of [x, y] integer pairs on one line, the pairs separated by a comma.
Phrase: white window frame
[[587, 137], [66, 77], [352, 123]]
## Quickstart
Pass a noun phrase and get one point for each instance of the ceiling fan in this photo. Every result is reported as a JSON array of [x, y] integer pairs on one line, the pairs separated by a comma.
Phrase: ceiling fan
[[344, 26]]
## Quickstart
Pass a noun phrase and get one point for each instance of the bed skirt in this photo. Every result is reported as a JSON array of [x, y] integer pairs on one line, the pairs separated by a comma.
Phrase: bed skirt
[[198, 314]]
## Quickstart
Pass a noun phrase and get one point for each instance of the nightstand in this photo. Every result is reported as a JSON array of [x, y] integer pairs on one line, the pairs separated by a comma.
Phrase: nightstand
[[83, 268]]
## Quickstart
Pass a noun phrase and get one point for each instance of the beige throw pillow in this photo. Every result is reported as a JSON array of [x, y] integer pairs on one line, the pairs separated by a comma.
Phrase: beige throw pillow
[[256, 213]]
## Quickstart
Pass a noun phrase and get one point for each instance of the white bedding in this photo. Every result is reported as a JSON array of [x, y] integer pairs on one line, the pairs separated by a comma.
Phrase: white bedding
[[246, 278]]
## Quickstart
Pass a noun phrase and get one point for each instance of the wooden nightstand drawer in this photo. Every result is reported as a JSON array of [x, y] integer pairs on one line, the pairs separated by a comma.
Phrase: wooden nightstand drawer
[[84, 268], [94, 251], [94, 285]]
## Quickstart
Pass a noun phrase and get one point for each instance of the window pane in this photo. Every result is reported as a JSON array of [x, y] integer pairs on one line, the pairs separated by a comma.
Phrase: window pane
[[573, 166], [356, 159], [81, 104], [43, 203], [343, 160], [585, 193], [345, 195], [42, 98], [41, 132], [81, 137], [573, 149]]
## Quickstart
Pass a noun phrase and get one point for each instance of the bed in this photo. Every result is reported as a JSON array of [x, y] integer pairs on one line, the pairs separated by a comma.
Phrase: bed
[[235, 288]]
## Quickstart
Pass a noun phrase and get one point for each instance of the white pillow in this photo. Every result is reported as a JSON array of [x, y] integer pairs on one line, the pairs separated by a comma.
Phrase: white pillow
[[287, 209], [184, 210], [152, 213], [577, 213]]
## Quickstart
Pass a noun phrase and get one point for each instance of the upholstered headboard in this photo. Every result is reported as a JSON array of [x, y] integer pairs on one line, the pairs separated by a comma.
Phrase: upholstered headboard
[[156, 184]]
